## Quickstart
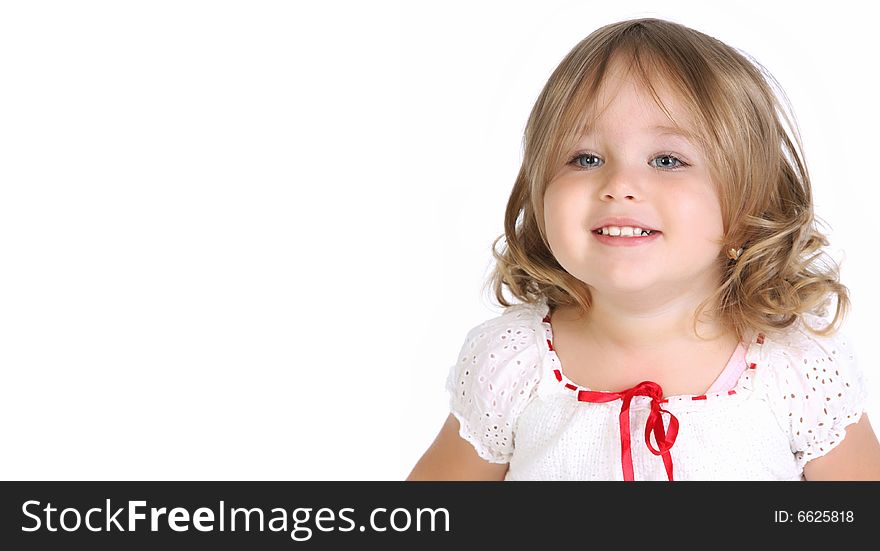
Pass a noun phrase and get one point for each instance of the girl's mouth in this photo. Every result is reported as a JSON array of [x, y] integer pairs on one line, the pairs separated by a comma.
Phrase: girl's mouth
[[626, 241]]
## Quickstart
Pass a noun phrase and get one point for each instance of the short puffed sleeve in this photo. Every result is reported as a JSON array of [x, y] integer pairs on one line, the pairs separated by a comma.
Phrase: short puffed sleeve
[[819, 389], [493, 379]]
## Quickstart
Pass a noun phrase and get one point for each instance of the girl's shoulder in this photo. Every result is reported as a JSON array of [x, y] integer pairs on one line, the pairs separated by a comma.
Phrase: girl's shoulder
[[513, 333], [807, 355], [498, 367], [815, 385]]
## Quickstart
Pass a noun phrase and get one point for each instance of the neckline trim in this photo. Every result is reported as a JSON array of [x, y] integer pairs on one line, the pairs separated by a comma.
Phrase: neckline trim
[[564, 384]]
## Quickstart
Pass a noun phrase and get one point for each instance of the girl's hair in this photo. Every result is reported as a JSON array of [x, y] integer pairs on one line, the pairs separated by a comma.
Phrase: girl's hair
[[759, 173]]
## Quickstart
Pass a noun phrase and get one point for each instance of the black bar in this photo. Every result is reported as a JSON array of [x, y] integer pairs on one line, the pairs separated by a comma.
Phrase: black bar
[[510, 514]]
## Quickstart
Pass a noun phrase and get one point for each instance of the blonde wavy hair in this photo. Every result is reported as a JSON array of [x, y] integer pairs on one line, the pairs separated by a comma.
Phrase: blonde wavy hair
[[760, 176]]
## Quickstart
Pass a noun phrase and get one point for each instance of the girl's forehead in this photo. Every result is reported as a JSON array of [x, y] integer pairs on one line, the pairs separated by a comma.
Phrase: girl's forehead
[[650, 120], [628, 96], [632, 97]]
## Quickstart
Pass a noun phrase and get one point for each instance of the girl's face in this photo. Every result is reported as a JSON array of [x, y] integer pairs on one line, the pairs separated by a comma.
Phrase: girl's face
[[627, 167]]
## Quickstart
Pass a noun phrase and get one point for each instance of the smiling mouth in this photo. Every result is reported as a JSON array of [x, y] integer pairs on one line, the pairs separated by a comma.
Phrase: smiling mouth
[[644, 233]]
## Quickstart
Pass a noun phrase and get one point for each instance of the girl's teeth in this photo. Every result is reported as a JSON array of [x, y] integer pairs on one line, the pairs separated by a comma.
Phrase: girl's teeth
[[624, 232]]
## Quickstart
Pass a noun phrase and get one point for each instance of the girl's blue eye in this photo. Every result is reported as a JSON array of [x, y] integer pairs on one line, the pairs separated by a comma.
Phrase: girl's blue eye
[[665, 164]]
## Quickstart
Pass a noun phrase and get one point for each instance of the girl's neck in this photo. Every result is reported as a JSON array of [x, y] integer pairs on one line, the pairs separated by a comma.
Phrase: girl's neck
[[644, 335]]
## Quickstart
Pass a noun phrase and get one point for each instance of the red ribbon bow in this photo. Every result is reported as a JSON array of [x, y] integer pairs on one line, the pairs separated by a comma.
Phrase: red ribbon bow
[[655, 421]]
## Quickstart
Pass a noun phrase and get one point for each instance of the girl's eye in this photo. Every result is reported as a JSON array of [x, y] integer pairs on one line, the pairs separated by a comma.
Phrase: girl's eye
[[667, 161]]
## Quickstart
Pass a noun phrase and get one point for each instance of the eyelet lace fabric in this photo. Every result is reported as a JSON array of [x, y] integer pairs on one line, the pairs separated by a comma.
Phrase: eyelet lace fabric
[[792, 405], [818, 388], [496, 374]]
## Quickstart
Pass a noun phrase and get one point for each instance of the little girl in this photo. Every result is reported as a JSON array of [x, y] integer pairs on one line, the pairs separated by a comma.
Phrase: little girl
[[660, 200]]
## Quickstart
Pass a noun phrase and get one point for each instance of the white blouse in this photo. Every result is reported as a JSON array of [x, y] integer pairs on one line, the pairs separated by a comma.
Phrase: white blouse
[[515, 405]]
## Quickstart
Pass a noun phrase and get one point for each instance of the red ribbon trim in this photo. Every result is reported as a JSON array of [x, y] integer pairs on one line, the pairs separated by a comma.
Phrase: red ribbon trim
[[655, 421]]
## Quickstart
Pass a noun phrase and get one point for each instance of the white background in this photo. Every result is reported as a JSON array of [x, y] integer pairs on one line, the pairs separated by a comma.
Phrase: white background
[[245, 240]]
